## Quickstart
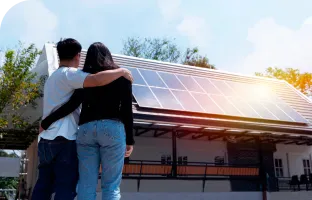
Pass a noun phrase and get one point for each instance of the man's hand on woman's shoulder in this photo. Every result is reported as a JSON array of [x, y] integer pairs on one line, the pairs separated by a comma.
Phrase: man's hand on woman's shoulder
[[127, 74]]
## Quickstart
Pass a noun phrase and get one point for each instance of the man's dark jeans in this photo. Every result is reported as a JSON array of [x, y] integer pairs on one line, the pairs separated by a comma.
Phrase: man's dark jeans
[[58, 170]]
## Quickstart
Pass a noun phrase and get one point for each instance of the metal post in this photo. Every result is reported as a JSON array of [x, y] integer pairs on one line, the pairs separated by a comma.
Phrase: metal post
[[174, 153], [262, 171], [139, 179], [204, 180], [288, 166]]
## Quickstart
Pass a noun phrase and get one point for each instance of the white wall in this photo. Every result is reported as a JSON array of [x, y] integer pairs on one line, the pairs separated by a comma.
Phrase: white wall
[[9, 167], [296, 154], [150, 148]]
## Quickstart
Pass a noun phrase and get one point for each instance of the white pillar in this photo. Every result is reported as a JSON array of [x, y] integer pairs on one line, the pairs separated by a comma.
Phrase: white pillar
[[32, 164]]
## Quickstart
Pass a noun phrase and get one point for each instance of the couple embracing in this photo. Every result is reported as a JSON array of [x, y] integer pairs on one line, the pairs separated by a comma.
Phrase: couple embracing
[[98, 99]]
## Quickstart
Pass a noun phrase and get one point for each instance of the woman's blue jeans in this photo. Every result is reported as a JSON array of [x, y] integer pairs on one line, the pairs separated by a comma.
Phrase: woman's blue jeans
[[100, 142]]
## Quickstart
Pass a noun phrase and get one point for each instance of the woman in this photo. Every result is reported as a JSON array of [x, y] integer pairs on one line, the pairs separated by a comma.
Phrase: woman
[[105, 127]]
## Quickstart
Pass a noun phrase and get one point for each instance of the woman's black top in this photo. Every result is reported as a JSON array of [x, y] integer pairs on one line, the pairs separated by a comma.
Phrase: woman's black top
[[112, 101]]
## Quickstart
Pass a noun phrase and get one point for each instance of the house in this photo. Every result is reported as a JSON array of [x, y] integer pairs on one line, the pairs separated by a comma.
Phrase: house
[[204, 133]]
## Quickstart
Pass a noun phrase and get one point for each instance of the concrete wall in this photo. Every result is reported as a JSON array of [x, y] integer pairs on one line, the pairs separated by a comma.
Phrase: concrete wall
[[295, 153], [303, 195], [174, 186], [214, 195], [191, 196]]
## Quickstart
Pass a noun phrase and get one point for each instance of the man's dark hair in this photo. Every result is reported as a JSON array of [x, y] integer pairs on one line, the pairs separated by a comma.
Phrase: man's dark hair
[[68, 48]]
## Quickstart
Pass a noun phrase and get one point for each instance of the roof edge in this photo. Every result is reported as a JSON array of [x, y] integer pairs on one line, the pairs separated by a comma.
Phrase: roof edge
[[196, 68]]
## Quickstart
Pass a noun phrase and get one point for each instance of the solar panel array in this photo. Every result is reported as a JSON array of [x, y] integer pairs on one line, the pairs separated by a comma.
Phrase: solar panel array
[[156, 89]]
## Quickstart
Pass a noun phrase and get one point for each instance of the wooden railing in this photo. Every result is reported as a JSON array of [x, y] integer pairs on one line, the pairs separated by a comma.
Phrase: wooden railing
[[217, 171], [154, 168], [147, 169]]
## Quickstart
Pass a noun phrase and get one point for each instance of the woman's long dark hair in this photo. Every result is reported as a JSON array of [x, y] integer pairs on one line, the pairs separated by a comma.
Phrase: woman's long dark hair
[[98, 58]]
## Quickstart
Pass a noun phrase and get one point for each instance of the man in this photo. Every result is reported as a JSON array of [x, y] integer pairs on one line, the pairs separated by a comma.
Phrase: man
[[58, 163]]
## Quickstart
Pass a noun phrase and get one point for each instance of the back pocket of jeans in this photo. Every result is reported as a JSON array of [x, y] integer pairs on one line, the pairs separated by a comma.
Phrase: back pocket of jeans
[[81, 133], [112, 129]]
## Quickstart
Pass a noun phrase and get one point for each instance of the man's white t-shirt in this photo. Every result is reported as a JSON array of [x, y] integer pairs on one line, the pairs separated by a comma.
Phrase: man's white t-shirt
[[57, 90]]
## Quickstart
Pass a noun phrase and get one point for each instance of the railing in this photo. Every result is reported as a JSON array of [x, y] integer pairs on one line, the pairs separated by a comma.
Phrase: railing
[[7, 194], [140, 168], [200, 171], [146, 168], [209, 169], [286, 183]]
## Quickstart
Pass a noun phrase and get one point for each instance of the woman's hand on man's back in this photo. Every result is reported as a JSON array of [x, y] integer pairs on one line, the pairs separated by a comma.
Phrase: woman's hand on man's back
[[129, 150]]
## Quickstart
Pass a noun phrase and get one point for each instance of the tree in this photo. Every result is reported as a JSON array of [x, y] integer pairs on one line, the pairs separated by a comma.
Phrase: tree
[[19, 87], [163, 49], [192, 58], [152, 48], [301, 81]]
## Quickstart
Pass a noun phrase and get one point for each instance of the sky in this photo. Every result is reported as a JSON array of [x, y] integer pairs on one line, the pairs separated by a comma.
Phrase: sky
[[241, 36]]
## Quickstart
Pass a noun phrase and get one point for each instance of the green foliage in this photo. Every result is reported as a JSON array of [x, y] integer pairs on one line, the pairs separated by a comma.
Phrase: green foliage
[[152, 48], [301, 81], [8, 183], [163, 49], [18, 85], [192, 58]]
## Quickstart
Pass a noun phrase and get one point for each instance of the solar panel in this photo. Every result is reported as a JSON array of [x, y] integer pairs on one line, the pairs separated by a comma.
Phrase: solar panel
[[189, 83], [207, 103], [207, 86], [291, 112], [224, 88], [281, 115], [152, 78], [171, 81], [145, 97], [226, 105], [244, 107], [188, 102], [166, 99], [136, 76], [155, 89]]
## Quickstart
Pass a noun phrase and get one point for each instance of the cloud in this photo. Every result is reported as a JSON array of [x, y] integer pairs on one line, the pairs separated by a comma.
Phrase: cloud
[[93, 3], [3, 10], [196, 29], [280, 46], [33, 23], [170, 10], [2, 54]]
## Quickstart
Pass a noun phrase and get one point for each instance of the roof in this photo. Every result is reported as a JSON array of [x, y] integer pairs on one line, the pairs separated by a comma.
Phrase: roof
[[184, 122], [298, 101]]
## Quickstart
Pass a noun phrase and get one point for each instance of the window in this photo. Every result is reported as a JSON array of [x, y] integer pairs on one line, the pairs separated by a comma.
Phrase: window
[[185, 160], [166, 159], [279, 172], [182, 160], [306, 167], [219, 160]]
